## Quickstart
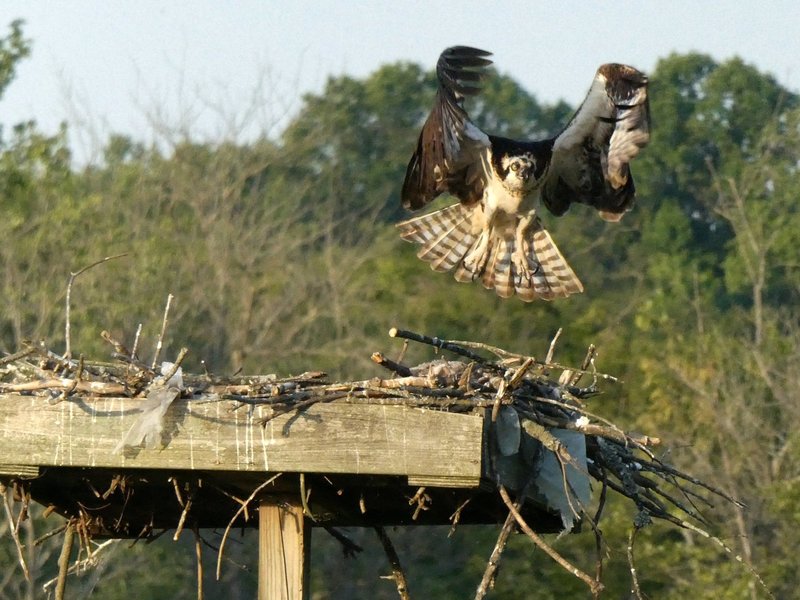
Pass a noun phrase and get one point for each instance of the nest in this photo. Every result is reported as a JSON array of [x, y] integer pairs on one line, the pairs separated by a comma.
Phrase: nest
[[545, 448]]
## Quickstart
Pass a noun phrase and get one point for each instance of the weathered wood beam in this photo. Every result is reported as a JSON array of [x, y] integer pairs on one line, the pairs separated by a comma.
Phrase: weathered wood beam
[[284, 542], [429, 447]]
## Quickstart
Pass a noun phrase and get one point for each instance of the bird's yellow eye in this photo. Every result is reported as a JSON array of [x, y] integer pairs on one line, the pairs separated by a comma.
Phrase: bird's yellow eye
[[514, 167]]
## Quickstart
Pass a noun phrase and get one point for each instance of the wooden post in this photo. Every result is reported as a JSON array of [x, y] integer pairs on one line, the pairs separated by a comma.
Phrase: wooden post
[[284, 541]]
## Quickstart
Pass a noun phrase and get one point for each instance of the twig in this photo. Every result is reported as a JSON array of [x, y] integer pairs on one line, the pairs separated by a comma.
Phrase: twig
[[487, 581], [160, 342], [397, 570], [49, 534], [136, 337], [119, 347], [198, 553], [94, 387], [598, 535], [388, 363], [69, 390], [14, 532], [594, 585], [635, 589], [455, 518], [182, 520], [239, 511], [551, 351], [72, 277], [63, 560], [17, 355], [81, 564], [304, 495], [657, 465], [730, 551], [442, 344], [176, 365], [422, 501], [349, 547]]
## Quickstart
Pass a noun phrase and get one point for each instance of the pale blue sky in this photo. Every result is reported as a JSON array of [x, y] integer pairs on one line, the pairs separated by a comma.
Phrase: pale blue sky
[[199, 64]]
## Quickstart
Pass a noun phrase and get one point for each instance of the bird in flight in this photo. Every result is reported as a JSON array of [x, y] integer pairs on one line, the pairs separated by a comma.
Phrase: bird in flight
[[494, 233]]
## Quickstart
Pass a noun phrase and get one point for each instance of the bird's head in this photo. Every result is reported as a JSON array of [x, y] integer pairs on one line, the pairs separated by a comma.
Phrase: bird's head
[[519, 172]]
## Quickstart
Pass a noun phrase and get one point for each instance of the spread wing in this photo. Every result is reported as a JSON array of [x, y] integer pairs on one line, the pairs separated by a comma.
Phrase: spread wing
[[450, 146], [591, 157]]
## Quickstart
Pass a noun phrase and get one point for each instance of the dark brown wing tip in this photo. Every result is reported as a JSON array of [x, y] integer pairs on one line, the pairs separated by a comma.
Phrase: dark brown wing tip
[[465, 51], [460, 65], [616, 71]]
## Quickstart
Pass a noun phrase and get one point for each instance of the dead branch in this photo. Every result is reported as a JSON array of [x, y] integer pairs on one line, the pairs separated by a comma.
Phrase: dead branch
[[239, 511], [63, 561], [14, 530], [16, 356], [176, 365], [487, 581], [92, 387], [635, 589], [594, 585], [349, 547], [443, 345], [72, 277], [82, 564], [397, 570], [304, 496], [160, 342], [456, 516], [551, 351], [598, 536], [388, 363], [198, 554]]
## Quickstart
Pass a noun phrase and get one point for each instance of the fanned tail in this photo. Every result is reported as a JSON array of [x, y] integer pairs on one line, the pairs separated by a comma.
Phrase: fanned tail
[[445, 235], [450, 235], [550, 274]]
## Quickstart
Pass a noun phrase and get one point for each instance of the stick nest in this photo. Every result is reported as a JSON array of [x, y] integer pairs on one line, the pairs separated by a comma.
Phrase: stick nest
[[538, 409]]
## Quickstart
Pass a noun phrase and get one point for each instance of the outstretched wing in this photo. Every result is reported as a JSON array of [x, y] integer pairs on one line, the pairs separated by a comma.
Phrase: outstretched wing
[[448, 154], [591, 157]]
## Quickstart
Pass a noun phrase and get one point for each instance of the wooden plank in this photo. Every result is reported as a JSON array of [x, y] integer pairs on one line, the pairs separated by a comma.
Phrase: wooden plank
[[284, 542], [434, 447], [19, 470]]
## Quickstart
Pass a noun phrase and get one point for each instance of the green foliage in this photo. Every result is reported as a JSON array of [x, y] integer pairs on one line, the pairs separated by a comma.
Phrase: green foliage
[[282, 257], [13, 48]]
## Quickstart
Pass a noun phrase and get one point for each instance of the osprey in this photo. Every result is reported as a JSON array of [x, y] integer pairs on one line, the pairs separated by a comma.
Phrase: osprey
[[494, 233]]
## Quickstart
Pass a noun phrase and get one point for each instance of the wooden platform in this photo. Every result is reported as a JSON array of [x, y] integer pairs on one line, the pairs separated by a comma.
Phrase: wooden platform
[[360, 462]]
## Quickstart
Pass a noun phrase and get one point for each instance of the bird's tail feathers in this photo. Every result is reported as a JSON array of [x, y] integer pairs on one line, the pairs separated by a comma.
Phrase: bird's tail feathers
[[445, 235], [450, 239], [550, 275]]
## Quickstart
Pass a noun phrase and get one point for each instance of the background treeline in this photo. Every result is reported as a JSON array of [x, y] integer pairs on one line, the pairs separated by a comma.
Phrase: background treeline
[[283, 257]]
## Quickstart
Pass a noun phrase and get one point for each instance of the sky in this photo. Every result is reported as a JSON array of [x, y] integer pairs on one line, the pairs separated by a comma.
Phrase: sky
[[217, 69]]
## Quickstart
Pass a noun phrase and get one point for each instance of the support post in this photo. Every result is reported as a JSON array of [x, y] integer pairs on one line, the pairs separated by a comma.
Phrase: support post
[[284, 541]]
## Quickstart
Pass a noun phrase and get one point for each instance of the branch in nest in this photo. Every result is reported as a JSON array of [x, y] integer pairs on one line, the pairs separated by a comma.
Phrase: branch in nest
[[388, 363], [72, 277], [160, 342], [92, 387], [444, 345]]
